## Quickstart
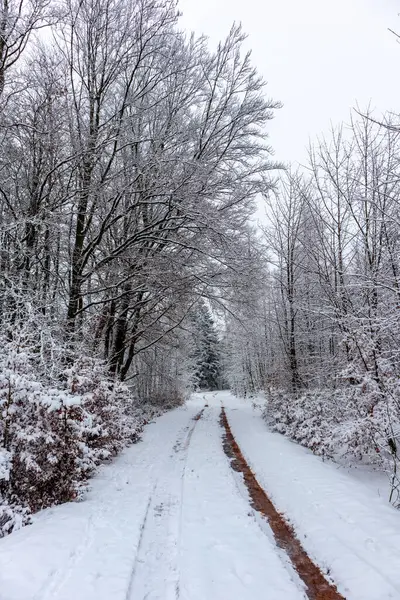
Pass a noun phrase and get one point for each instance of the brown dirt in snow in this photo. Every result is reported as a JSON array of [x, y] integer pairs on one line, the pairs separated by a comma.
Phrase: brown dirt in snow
[[199, 415], [317, 587]]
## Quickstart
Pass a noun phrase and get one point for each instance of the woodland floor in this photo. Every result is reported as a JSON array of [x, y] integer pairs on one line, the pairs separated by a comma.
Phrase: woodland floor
[[210, 506]]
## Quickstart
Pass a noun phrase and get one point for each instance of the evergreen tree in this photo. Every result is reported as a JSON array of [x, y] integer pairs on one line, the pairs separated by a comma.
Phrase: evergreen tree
[[206, 352]]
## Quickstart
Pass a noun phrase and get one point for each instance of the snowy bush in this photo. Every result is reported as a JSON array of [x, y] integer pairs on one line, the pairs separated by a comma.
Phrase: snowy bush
[[355, 423], [53, 438], [307, 419], [12, 517]]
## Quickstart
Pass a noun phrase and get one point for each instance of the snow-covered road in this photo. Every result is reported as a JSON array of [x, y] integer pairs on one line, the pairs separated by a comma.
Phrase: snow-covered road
[[170, 519], [349, 531]]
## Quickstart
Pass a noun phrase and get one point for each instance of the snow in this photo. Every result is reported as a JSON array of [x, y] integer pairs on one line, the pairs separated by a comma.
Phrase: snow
[[224, 552], [165, 518], [86, 550], [170, 519], [341, 521]]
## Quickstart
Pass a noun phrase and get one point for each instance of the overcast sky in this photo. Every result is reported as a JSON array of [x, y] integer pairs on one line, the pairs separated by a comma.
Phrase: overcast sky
[[319, 58]]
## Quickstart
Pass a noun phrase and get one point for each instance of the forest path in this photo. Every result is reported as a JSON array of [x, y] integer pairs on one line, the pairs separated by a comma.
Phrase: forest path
[[346, 526], [164, 521], [171, 519]]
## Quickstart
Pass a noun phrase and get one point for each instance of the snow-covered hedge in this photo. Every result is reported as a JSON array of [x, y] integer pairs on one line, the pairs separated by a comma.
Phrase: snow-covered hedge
[[357, 423], [52, 437]]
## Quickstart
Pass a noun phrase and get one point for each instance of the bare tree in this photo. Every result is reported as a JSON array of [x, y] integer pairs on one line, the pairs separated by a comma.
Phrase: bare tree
[[18, 20]]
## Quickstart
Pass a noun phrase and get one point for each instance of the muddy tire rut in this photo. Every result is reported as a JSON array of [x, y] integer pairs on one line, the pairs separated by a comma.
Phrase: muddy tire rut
[[317, 587]]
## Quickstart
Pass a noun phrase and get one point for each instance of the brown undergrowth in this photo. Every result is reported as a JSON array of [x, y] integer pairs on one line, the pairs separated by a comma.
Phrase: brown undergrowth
[[317, 586]]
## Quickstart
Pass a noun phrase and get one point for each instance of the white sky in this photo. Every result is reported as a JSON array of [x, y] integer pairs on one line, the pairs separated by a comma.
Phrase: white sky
[[319, 57]]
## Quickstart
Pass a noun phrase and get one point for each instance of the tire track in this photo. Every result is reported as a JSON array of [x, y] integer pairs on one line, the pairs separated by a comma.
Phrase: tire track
[[163, 514], [196, 418], [58, 577], [317, 586], [142, 528]]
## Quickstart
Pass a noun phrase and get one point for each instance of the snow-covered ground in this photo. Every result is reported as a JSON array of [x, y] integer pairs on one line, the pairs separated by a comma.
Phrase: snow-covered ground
[[343, 524], [164, 521], [170, 519]]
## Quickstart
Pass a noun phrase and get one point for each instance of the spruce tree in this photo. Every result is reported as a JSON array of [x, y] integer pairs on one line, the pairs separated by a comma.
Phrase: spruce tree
[[206, 352]]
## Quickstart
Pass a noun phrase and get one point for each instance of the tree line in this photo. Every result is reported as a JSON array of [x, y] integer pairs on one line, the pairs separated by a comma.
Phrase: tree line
[[131, 156], [323, 334]]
